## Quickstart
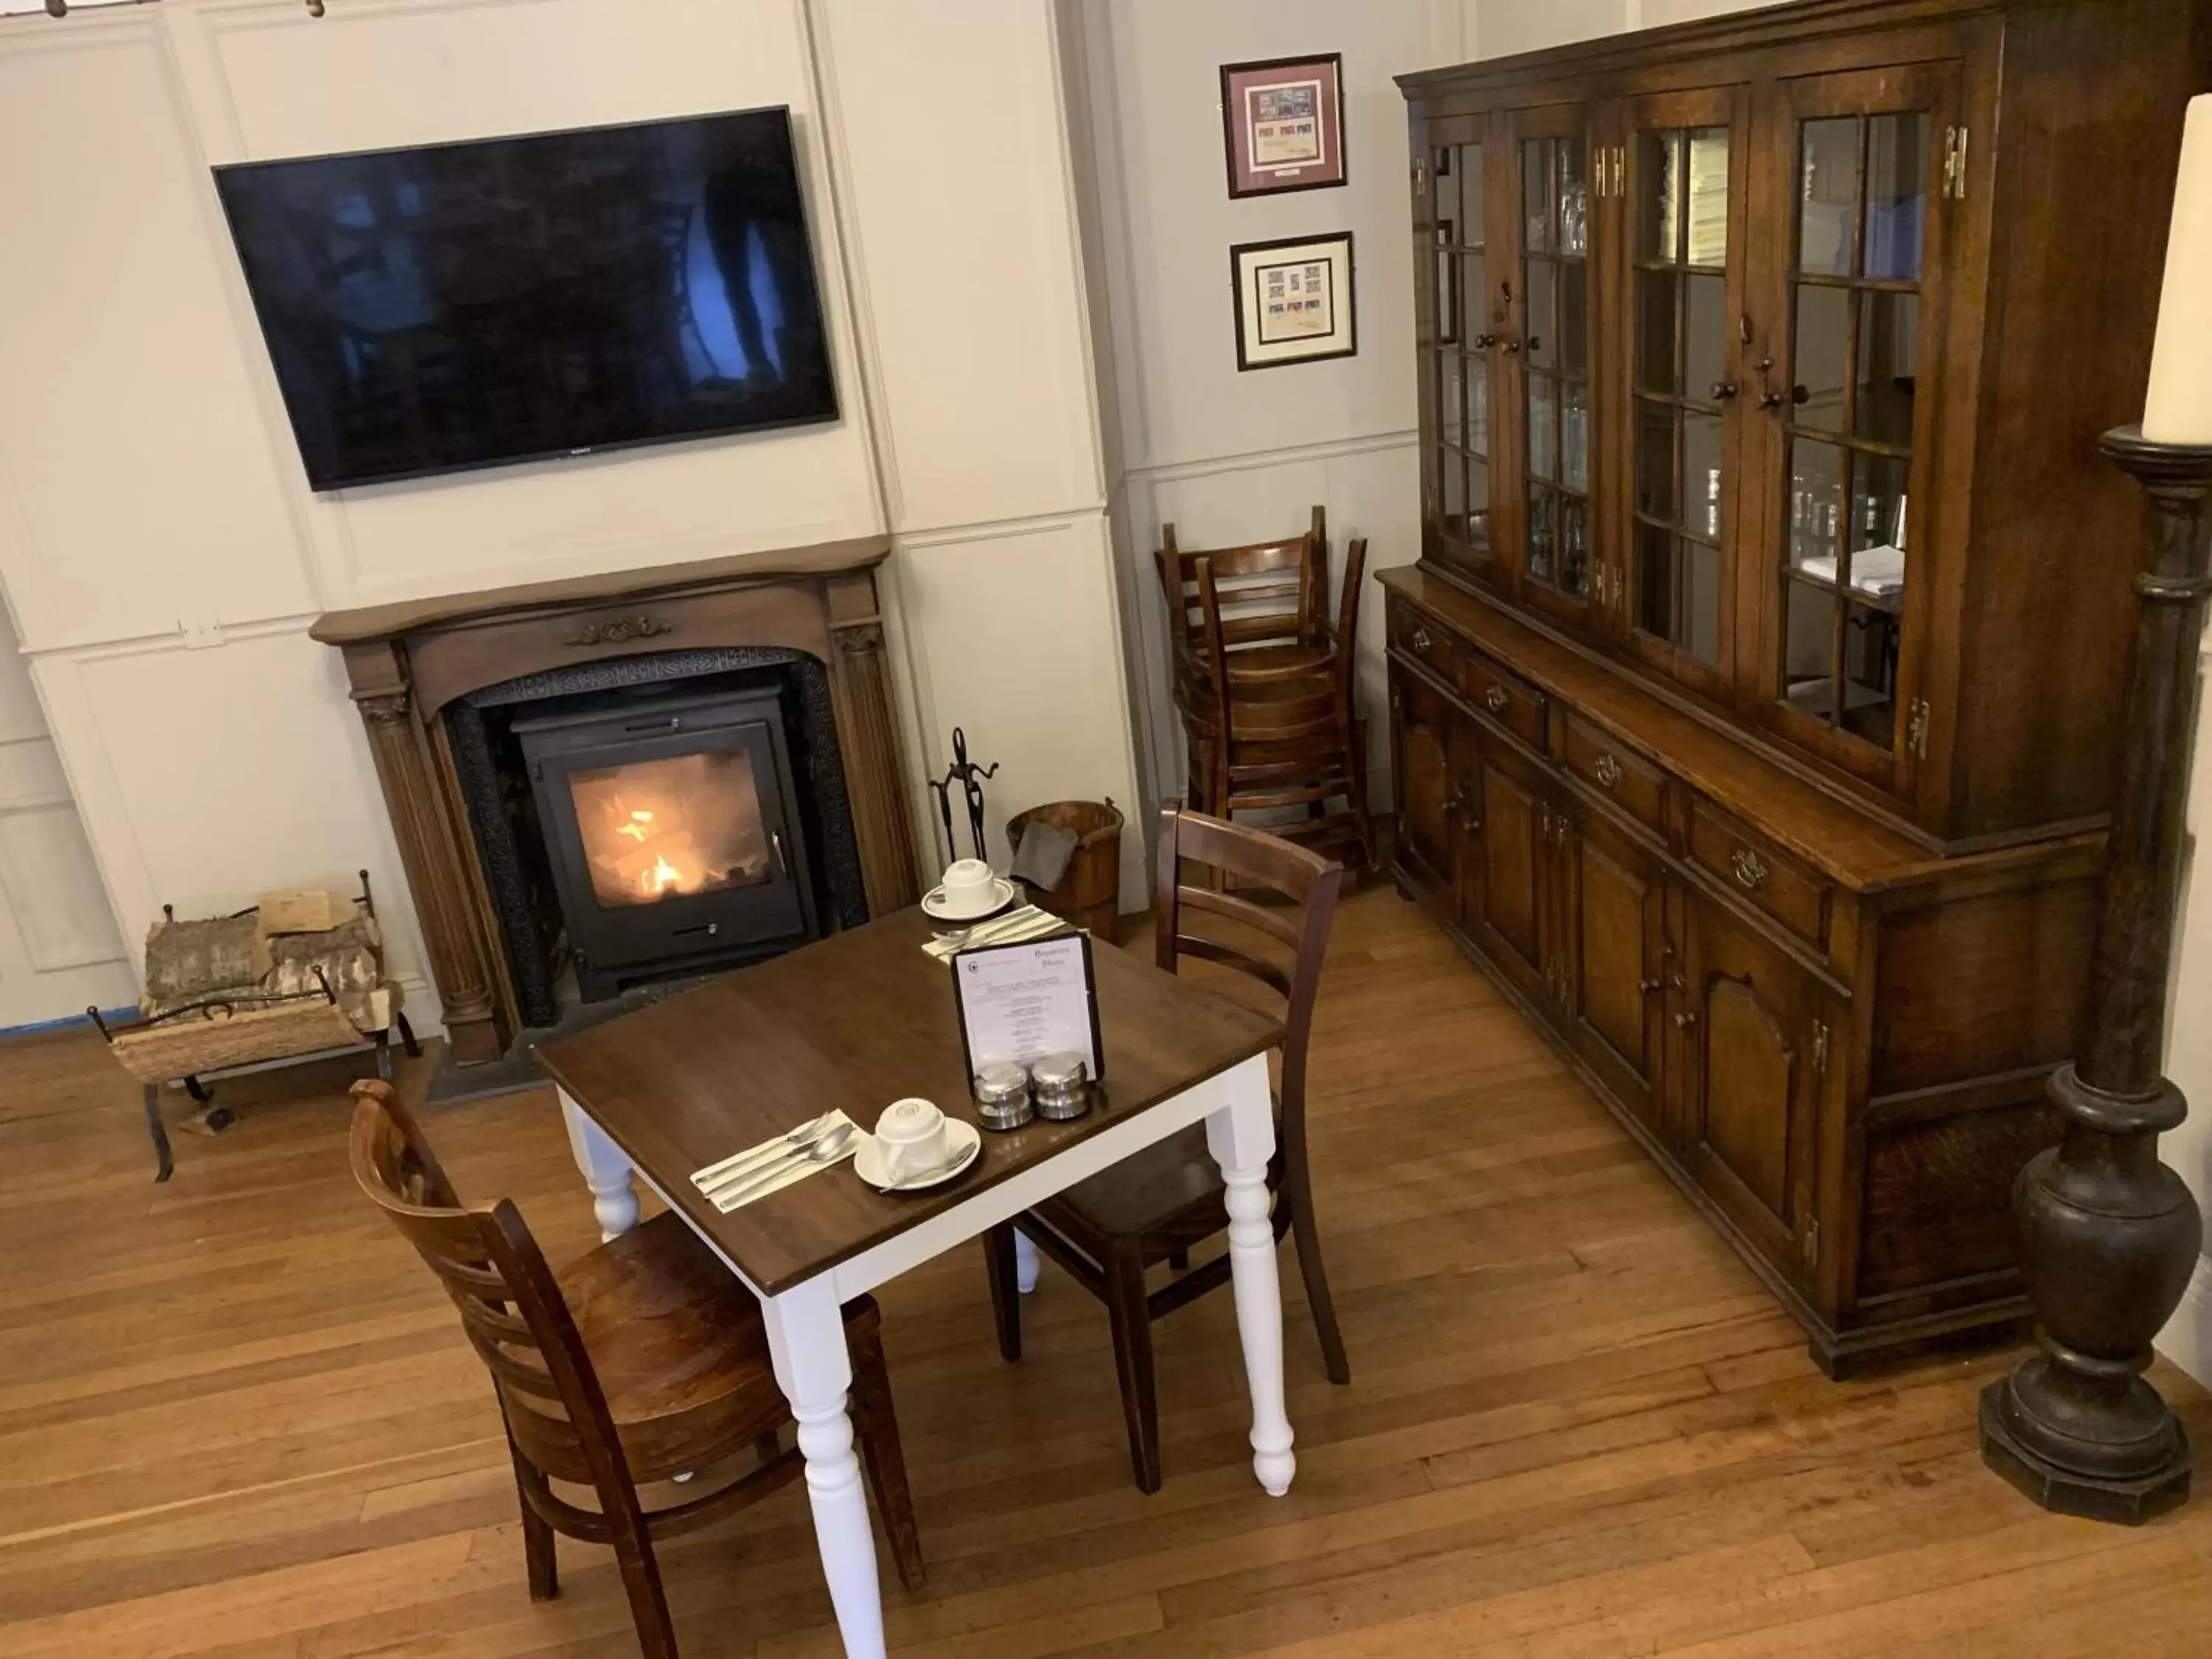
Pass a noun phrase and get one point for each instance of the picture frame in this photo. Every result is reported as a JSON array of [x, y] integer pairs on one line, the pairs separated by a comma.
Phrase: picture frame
[[1295, 300], [1282, 125]]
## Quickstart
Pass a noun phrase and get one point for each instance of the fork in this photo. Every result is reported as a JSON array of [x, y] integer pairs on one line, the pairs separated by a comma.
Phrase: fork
[[832, 1147], [729, 1166]]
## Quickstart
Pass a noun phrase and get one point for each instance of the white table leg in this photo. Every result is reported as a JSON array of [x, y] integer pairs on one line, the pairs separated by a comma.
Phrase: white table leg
[[1242, 1137], [1025, 1262], [806, 1341], [605, 1170]]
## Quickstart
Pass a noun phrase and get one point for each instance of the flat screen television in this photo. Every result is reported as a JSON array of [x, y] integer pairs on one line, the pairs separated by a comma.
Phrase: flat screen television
[[467, 305]]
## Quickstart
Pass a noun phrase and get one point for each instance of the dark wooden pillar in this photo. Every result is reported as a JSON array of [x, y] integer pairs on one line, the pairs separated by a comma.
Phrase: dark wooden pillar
[[459, 962], [875, 771], [2109, 1234]]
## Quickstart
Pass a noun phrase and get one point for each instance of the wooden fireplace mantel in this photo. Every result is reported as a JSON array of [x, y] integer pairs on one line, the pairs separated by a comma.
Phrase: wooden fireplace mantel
[[406, 661]]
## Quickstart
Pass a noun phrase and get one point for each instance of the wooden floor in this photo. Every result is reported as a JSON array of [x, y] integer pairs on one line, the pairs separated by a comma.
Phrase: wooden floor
[[237, 1418]]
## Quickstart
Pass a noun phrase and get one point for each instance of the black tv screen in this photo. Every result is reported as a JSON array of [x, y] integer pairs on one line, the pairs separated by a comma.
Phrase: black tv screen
[[468, 304]]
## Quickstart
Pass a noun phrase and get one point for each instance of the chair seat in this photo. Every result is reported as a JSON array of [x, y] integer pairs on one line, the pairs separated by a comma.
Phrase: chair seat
[[678, 1346], [1170, 1194]]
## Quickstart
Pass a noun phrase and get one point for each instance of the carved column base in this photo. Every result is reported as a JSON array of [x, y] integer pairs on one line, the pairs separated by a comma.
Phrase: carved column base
[[2016, 1423]]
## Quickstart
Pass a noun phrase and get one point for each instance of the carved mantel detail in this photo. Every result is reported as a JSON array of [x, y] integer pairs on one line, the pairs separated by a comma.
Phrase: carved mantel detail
[[407, 661]]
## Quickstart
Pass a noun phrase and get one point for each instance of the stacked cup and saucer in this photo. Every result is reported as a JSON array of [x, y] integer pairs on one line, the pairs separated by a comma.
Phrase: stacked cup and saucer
[[970, 892], [915, 1146]]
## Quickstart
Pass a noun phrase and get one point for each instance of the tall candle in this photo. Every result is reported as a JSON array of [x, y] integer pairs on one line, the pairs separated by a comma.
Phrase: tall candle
[[2178, 407]]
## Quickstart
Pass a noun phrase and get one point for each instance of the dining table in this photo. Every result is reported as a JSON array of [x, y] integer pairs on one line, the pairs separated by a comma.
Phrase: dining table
[[852, 1023]]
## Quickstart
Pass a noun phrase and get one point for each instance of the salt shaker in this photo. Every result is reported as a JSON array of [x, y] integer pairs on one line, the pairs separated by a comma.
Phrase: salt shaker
[[1002, 1095], [1062, 1085]]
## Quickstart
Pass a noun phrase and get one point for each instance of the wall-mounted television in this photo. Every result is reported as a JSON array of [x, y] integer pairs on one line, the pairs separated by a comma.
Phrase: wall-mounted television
[[467, 305]]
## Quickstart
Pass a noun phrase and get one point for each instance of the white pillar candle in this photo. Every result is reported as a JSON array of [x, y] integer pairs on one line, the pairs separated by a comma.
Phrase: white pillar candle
[[2178, 407]]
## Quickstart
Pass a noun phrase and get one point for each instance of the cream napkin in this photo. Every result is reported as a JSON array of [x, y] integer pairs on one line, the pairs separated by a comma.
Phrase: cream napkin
[[788, 1175], [1027, 923]]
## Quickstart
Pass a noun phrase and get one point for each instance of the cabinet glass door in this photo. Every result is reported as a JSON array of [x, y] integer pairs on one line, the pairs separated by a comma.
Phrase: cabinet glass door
[[1556, 205], [1457, 347], [1684, 288], [1866, 160]]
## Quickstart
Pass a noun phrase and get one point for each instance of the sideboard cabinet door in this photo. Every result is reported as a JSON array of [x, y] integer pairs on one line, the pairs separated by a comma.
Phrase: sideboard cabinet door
[[1613, 952], [1421, 722], [1748, 1049], [1505, 880]]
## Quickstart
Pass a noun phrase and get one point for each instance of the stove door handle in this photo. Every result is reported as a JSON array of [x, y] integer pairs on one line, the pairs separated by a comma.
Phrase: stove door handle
[[782, 863]]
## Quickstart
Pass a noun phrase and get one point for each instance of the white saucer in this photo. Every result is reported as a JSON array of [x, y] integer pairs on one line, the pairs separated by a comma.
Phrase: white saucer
[[966, 1142], [1002, 895]]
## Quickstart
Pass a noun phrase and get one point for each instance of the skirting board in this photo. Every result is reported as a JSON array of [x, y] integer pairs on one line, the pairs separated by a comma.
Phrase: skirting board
[[2187, 1337]]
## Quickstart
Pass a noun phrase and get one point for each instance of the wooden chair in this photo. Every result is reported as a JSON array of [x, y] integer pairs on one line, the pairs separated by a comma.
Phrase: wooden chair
[[1266, 685], [644, 1361], [1155, 1207]]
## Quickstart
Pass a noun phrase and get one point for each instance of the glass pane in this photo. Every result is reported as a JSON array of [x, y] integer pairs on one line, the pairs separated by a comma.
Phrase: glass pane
[[1808, 650], [1540, 535], [1701, 475], [1707, 241], [687, 824], [1574, 197], [1824, 323], [1469, 171], [1704, 334], [1542, 425], [1442, 165], [1828, 195], [1543, 332], [1656, 298], [1478, 407], [1889, 355], [1451, 378], [1574, 319], [1655, 582], [1879, 483], [1574, 437], [1816, 506], [1701, 577], [1478, 489], [1655, 460], [1473, 291], [1536, 195], [1897, 188], [1574, 545], [1451, 472], [1658, 195], [1870, 674]]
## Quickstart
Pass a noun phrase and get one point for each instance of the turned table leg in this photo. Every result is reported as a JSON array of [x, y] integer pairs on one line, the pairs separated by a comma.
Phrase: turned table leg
[[1241, 1138], [606, 1170], [806, 1341]]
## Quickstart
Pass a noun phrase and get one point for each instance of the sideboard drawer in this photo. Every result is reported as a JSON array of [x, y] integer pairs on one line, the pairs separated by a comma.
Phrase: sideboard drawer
[[1427, 642], [1508, 699], [1747, 863], [1625, 778]]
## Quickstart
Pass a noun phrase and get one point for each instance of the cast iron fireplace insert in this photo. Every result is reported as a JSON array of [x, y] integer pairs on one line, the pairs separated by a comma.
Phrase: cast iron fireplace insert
[[670, 821]]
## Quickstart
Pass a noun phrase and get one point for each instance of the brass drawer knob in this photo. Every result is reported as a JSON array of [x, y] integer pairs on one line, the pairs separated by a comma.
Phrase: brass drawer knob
[[1685, 1020], [1608, 770], [1750, 873], [1420, 639], [1496, 698]]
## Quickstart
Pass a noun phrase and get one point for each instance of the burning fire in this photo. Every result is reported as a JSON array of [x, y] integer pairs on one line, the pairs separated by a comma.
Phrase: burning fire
[[687, 825]]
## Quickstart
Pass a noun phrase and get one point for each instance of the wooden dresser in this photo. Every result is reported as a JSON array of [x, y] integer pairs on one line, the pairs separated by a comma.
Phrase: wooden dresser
[[1754, 703]]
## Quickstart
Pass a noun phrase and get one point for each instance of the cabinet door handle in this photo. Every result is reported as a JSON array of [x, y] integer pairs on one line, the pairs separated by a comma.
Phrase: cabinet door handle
[[1510, 347], [1483, 341], [1685, 1020], [1496, 698], [1650, 987], [1607, 771], [1420, 639], [1724, 390], [1750, 873]]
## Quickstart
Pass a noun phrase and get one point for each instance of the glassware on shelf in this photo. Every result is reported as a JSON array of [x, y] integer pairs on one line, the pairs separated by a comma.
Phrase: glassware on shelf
[[1713, 503], [1574, 438]]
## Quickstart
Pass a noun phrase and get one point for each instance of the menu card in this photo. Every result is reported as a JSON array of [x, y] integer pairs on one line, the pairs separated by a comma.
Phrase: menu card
[[1027, 999]]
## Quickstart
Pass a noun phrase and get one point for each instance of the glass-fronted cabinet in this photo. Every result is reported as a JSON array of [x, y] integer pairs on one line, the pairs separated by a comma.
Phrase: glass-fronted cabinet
[[1859, 310], [1683, 281], [1552, 357], [1457, 334]]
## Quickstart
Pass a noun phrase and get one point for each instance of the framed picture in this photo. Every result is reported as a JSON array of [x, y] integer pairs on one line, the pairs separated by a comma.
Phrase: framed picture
[[1294, 299], [1282, 122]]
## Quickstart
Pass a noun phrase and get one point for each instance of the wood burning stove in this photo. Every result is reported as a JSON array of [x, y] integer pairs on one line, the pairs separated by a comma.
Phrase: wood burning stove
[[670, 820]]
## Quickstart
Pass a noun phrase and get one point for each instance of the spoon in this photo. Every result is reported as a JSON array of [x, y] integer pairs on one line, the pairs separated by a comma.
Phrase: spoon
[[827, 1150]]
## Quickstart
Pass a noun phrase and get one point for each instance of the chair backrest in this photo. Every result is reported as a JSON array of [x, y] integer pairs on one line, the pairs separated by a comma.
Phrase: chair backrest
[[510, 1304], [1299, 930], [1273, 592], [1254, 701]]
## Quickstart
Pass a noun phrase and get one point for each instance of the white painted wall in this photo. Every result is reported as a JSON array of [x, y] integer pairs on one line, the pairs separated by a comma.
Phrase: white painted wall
[[163, 555]]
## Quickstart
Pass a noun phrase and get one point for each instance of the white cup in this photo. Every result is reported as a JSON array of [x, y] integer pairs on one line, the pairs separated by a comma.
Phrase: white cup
[[910, 1134], [969, 887]]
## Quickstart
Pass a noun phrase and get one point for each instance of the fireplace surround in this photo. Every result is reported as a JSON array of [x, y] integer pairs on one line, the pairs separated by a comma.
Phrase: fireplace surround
[[424, 672]]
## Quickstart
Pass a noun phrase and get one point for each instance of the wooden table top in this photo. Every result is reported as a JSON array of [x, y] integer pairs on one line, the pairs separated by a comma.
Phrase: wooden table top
[[855, 1021]]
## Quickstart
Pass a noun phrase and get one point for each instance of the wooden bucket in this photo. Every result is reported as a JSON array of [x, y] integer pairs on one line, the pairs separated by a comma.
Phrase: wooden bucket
[[1090, 893]]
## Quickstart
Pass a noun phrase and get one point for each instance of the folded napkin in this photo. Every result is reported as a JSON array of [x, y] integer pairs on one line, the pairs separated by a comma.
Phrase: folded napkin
[[738, 1193], [1015, 927]]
